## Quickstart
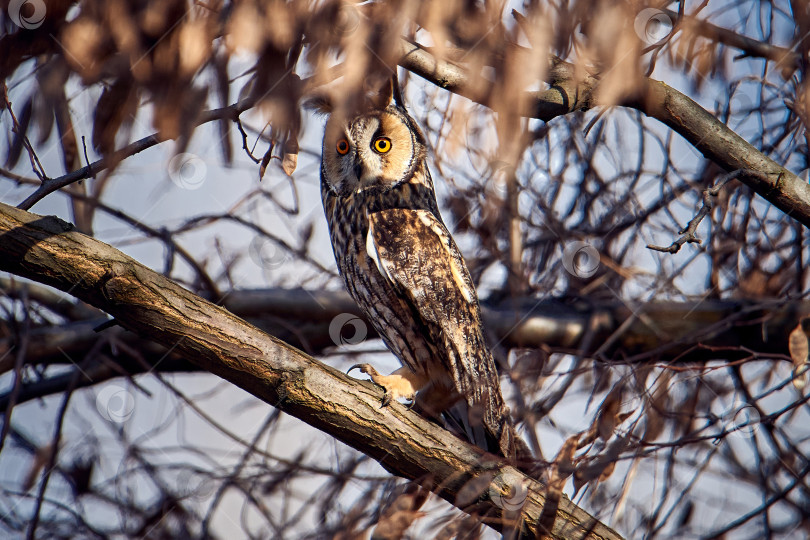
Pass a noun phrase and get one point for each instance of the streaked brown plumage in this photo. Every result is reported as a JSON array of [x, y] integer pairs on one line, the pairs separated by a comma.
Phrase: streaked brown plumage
[[402, 267]]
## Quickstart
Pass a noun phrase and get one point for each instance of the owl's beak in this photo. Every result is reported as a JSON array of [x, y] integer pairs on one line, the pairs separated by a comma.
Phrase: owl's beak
[[358, 168]]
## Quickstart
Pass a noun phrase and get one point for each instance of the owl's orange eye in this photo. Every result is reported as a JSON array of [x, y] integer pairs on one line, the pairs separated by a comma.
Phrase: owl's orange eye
[[382, 144], [342, 147]]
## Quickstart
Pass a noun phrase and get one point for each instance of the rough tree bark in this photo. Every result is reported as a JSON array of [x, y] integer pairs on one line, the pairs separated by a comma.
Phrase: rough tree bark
[[49, 250]]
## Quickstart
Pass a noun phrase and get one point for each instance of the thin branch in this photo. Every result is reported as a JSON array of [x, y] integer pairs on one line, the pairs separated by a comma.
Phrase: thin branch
[[51, 465], [689, 233], [18, 129], [49, 185]]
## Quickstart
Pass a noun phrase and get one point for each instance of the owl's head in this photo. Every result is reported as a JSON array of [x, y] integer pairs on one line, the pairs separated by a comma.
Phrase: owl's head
[[378, 146]]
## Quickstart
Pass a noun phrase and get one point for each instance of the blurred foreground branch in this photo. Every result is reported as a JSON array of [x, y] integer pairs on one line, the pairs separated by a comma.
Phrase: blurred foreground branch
[[567, 93], [50, 251]]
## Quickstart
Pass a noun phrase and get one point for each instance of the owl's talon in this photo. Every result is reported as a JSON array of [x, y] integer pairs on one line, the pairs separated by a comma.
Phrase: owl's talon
[[402, 383], [368, 369], [386, 400], [356, 366]]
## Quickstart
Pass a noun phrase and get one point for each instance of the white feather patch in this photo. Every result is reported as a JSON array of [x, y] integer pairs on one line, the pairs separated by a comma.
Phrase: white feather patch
[[371, 250]]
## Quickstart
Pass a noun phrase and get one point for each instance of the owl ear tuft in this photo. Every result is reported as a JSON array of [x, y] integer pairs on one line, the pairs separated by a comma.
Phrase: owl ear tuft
[[387, 93], [382, 96], [320, 103], [397, 92]]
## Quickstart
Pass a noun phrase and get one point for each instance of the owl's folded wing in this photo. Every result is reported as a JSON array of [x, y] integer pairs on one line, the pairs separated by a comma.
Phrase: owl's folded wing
[[415, 252]]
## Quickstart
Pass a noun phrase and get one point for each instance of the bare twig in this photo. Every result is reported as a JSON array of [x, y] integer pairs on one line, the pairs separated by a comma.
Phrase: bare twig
[[786, 59], [36, 166], [689, 233], [49, 185]]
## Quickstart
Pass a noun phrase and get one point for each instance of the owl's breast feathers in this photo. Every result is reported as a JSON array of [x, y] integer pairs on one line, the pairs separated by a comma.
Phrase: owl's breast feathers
[[348, 218], [403, 268]]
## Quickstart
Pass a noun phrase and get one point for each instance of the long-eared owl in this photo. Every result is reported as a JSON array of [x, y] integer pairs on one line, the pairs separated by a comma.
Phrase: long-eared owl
[[404, 270]]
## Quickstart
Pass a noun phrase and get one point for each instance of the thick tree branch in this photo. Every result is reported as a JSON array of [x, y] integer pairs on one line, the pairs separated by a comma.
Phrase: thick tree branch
[[709, 135], [677, 333], [48, 250], [566, 94]]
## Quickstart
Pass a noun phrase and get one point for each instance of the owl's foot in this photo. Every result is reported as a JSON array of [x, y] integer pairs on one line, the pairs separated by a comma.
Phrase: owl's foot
[[403, 383]]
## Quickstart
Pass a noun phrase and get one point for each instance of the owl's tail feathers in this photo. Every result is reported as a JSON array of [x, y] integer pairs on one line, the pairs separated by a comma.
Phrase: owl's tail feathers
[[494, 433]]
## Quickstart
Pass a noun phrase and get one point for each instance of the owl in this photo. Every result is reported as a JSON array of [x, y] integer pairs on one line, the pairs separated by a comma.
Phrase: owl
[[404, 270]]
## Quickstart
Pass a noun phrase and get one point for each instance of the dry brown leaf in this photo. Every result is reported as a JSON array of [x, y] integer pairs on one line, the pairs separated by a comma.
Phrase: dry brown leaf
[[561, 468], [18, 143], [563, 464], [401, 514], [607, 471], [83, 40], [598, 470], [799, 347], [656, 407], [461, 527], [616, 47], [194, 46], [609, 412], [116, 107], [265, 161]]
